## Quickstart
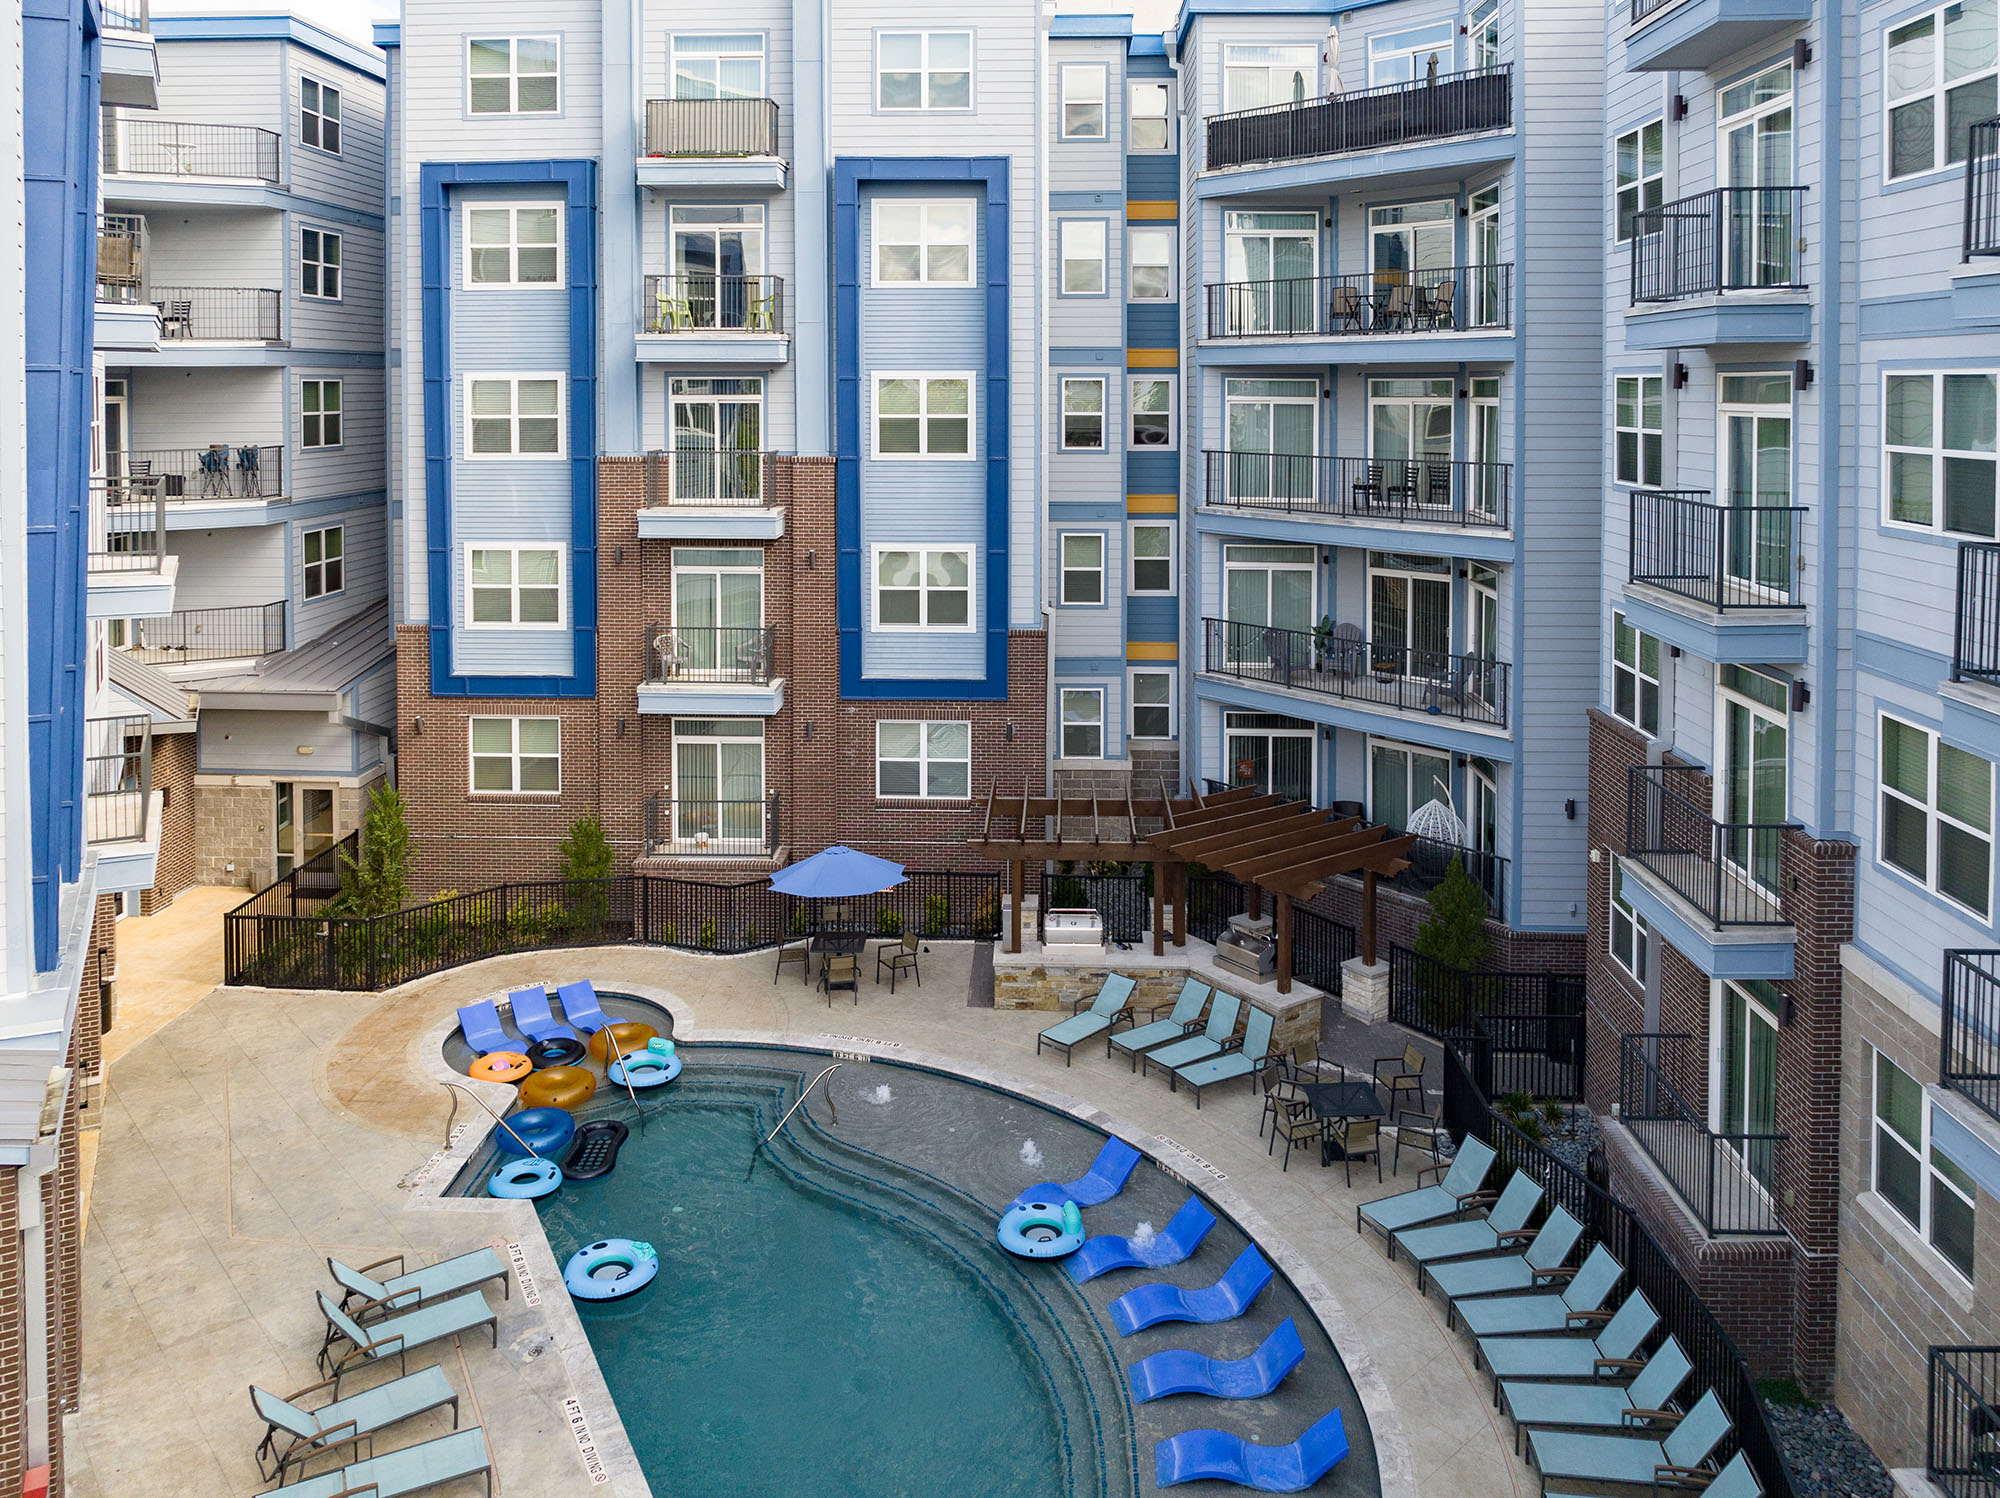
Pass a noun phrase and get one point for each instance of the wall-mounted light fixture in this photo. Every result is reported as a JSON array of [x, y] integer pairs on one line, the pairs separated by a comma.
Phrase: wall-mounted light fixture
[[809, 730], [1801, 695], [810, 556], [1801, 53], [1569, 808], [621, 728], [1802, 374], [618, 556], [1010, 731], [417, 726], [1680, 376], [1680, 109]]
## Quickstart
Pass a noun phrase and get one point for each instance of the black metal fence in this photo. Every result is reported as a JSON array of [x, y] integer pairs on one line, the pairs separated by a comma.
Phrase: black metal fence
[[221, 470], [711, 127], [1434, 491], [1725, 239], [1982, 189], [696, 826], [218, 314], [1725, 557], [128, 525], [714, 304], [1212, 899], [1469, 688], [1370, 119], [117, 778], [120, 256], [168, 148], [701, 471], [1962, 1423], [306, 888], [1123, 902], [1320, 944], [1975, 650], [1430, 861], [209, 634], [1729, 871], [743, 654], [1526, 1030], [1969, 1063], [1728, 1180], [1438, 299]]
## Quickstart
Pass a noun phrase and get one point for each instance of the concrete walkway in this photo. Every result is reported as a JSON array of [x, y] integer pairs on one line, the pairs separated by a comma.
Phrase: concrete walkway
[[259, 1132]]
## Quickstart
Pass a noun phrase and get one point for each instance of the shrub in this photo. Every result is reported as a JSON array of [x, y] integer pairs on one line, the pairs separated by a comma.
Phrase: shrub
[[586, 852], [671, 936], [937, 915], [378, 881], [986, 917], [1454, 933], [888, 922], [798, 925], [709, 935]]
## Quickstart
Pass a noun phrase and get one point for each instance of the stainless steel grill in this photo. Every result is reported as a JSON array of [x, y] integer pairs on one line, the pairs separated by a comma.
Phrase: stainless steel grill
[[1248, 946]]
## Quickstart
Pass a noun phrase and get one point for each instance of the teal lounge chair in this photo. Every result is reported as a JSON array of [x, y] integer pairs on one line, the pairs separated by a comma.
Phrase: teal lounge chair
[[1601, 1403], [1550, 1311], [1239, 1059], [1734, 1481], [1221, 1029], [294, 1435], [411, 1470], [1066, 1035], [404, 1292], [394, 1336], [1498, 1274], [1454, 1194], [1612, 1351], [1186, 1016], [1506, 1226], [1640, 1460]]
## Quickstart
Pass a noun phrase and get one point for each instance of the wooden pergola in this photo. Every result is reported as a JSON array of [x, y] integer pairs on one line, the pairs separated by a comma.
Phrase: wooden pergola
[[1287, 849]]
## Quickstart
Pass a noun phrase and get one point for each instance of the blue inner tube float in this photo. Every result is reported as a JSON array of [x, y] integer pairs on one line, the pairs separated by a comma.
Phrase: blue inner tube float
[[1042, 1230], [524, 1179], [648, 1068], [546, 1131], [610, 1269]]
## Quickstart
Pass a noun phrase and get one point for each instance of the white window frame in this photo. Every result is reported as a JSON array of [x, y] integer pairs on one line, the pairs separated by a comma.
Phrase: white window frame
[[1636, 186], [1079, 74], [1149, 234], [1386, 48], [924, 760], [514, 417], [925, 242], [321, 415], [1929, 1176], [324, 240], [1166, 673], [1063, 723], [514, 75], [514, 757], [675, 49], [1417, 796], [1934, 815], [1133, 115], [1636, 477], [1132, 413], [513, 585], [1065, 229], [1305, 64], [924, 416], [513, 246], [1630, 949], [924, 589], [1103, 443], [1636, 669], [1937, 453], [1064, 569], [1132, 557], [319, 115], [1941, 157], [925, 70], [336, 563]]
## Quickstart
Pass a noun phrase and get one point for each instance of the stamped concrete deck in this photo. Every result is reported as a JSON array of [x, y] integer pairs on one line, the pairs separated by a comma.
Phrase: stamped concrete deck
[[259, 1132]]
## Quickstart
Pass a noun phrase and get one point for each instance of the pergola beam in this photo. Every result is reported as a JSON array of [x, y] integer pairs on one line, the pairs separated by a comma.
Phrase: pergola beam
[[1267, 865], [1224, 852], [1190, 833]]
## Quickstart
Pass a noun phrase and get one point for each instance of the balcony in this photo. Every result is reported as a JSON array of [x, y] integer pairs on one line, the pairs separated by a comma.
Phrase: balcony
[[1975, 650], [218, 314], [120, 257], [1736, 247], [712, 671], [706, 491], [1388, 492], [1728, 872], [1970, 1029], [1962, 1434], [1430, 860], [1693, 34], [737, 321], [128, 63], [213, 478], [1726, 1180], [1371, 674], [120, 821], [208, 634], [703, 827], [166, 148], [712, 143], [1365, 120], [1982, 190], [129, 572], [1448, 299], [1729, 574]]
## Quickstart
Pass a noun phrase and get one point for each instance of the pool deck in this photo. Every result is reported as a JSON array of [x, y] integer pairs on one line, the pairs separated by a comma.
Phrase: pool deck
[[259, 1131]]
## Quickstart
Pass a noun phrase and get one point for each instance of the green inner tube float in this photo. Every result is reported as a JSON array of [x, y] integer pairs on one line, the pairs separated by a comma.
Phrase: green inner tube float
[[1042, 1230]]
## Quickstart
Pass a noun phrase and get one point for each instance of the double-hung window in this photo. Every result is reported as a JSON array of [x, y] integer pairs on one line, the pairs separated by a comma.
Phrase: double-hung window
[[1938, 452], [1084, 242], [923, 70], [1082, 567], [1083, 722], [1628, 927], [1150, 273], [1936, 810], [1941, 74], [1640, 431], [1927, 1190], [319, 264], [1150, 125], [923, 243], [319, 115], [319, 413], [932, 761], [322, 551], [1152, 694], [513, 244], [923, 588], [1152, 411], [1083, 414], [512, 75], [514, 416], [1152, 547], [516, 755], [1085, 86], [1635, 676], [923, 416], [519, 586], [1642, 174]]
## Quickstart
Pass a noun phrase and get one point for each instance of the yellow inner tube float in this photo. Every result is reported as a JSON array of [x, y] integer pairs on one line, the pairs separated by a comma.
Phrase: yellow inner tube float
[[501, 1066], [631, 1037], [558, 1087]]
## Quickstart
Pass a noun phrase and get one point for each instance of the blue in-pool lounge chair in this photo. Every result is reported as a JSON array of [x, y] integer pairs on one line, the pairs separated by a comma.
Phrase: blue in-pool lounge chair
[[1067, 1034], [1221, 1028], [1178, 1371], [1549, 1311], [1498, 1274], [1185, 1016], [580, 1006], [344, 1422], [1225, 1300], [1454, 1194], [1106, 1177], [406, 1291], [1244, 1058], [1642, 1460], [394, 1336], [1177, 1241], [411, 1470], [1611, 1352], [1601, 1403], [1504, 1226], [480, 1024], [533, 1018], [1734, 1481], [1195, 1454]]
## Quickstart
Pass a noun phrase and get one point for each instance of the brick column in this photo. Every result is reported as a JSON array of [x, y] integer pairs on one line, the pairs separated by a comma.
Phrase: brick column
[[13, 1338]]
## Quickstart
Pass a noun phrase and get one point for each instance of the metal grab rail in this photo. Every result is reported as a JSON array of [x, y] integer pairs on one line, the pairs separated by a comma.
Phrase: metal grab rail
[[1728, 1180], [1725, 239], [714, 304], [1440, 299], [1436, 491], [169, 148], [711, 127], [1368, 119], [1470, 688], [1725, 556], [1729, 871], [128, 525], [222, 314], [221, 470], [798, 1103]]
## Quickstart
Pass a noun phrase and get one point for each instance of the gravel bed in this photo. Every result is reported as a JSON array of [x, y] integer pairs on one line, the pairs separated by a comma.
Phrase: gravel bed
[[1827, 1458]]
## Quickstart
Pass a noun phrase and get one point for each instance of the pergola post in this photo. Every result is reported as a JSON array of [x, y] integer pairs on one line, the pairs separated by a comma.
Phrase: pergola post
[[1284, 943], [1368, 917], [1159, 912], [1180, 877], [1253, 902], [1018, 877]]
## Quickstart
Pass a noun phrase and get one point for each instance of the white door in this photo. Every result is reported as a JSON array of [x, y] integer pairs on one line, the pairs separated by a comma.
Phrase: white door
[[1757, 543], [1759, 231]]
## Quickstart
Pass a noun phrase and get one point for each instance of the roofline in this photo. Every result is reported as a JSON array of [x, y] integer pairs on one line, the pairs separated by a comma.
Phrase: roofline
[[389, 34], [273, 28], [1193, 8], [1100, 25]]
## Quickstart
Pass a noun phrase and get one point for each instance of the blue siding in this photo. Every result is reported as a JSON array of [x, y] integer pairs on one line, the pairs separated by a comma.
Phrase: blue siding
[[1152, 618], [1152, 179], [1152, 472], [1152, 325]]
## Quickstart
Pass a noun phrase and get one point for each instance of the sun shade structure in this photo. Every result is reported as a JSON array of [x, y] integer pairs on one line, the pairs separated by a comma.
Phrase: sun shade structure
[[836, 873], [1288, 849]]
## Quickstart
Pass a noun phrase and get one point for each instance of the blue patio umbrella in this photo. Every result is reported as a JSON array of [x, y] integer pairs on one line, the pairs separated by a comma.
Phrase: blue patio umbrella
[[837, 872]]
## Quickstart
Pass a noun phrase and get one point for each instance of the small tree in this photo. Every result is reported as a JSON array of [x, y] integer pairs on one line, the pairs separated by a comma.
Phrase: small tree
[[1454, 932], [378, 881], [586, 852]]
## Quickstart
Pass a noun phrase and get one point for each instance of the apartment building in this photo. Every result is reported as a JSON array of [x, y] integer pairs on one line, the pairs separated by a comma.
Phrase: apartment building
[[240, 443]]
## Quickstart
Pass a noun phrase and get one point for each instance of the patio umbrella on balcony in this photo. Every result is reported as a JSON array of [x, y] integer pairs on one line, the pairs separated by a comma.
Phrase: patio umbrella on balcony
[[838, 873]]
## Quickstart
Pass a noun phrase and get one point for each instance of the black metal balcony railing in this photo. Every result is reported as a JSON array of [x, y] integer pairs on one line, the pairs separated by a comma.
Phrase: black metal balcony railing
[[126, 15], [712, 653], [1982, 189], [1371, 119], [697, 826], [1436, 491], [1729, 871], [209, 634], [711, 127], [1962, 1424], [1970, 1029], [715, 304], [1728, 1180], [128, 525], [168, 148], [1443, 299], [699, 472], [117, 778], [120, 256], [218, 314], [1725, 239], [1469, 688], [1725, 557], [1975, 651], [219, 471], [1430, 861]]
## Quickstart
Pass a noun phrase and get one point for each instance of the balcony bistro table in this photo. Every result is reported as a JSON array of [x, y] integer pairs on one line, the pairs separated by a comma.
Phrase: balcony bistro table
[[1341, 1100]]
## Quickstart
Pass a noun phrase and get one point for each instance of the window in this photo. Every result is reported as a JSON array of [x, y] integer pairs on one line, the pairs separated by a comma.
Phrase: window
[[1278, 253], [319, 264], [322, 551], [718, 613], [1082, 567], [1936, 815], [319, 413], [922, 589], [1939, 77], [923, 416], [1642, 174], [1151, 269], [719, 804], [1152, 549], [509, 244], [1150, 125], [1403, 777], [1635, 676], [718, 67], [1152, 694], [1912, 1175], [1085, 86], [1255, 74], [929, 760], [1270, 751], [514, 585], [1083, 415], [1083, 722], [718, 445], [1640, 431], [1083, 253], [516, 754], [512, 75], [514, 415], [1938, 452], [1403, 56], [1628, 927], [920, 243], [319, 115], [923, 70], [1482, 26], [1152, 411]]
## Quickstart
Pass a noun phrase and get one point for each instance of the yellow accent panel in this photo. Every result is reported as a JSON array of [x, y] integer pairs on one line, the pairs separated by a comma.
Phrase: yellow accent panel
[[1152, 504], [1148, 208], [1152, 358], [1151, 650]]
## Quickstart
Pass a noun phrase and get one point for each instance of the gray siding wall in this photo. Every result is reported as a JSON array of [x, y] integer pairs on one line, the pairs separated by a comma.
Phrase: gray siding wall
[[229, 568], [353, 178], [203, 246], [222, 83], [364, 574], [354, 319], [354, 467], [269, 743], [196, 407]]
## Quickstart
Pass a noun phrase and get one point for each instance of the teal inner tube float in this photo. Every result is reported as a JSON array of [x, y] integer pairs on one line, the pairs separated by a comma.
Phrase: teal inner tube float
[[525, 1179], [1042, 1230], [546, 1132], [610, 1269], [648, 1068]]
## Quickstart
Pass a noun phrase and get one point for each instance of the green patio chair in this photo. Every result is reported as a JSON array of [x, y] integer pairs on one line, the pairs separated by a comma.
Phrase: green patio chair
[[1601, 1403], [1221, 1029], [1612, 1351], [1549, 1311], [405, 1291], [294, 1434], [1186, 1016], [394, 1336], [1505, 1226], [1734, 1481], [1640, 1460], [1498, 1274], [1249, 1057], [1110, 1002], [1458, 1192], [411, 1470]]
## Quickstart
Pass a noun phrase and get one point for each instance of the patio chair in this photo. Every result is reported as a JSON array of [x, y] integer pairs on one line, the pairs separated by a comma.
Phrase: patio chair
[[394, 1336], [1185, 1016], [1602, 1403], [533, 1018], [404, 1291], [840, 971], [1406, 1075], [1175, 1242], [1421, 1132], [1196, 1454], [1106, 1177], [1438, 308], [480, 1025], [1503, 1274], [1437, 486], [294, 1434], [1366, 491], [1548, 1311], [676, 655], [249, 470], [1284, 1090], [761, 316], [1506, 1226], [898, 957], [1734, 1481], [1456, 1193], [1309, 1066], [580, 1006], [410, 1470], [1177, 1371], [1635, 1459], [1278, 653], [214, 463], [1246, 1057], [799, 951], [672, 314], [1613, 1351], [1225, 1300], [1221, 1027], [1358, 1138], [1299, 1126], [1109, 1003], [1395, 310], [1344, 311], [177, 318]]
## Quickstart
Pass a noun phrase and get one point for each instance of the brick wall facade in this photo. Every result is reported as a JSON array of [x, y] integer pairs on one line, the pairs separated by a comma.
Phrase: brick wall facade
[[173, 777], [13, 1345], [62, 1315]]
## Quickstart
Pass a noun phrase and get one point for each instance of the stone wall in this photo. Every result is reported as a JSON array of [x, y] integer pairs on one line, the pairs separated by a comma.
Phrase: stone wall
[[1031, 982]]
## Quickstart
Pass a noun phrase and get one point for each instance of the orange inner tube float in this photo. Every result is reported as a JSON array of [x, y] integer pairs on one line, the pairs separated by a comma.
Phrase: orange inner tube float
[[558, 1087], [631, 1037], [501, 1066]]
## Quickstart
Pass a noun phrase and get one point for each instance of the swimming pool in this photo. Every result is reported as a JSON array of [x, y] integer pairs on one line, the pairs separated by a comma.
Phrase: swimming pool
[[838, 1319]]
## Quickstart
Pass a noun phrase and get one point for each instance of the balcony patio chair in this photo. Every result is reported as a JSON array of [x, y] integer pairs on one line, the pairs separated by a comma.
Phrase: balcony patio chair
[[1454, 688], [1367, 491], [395, 1336], [761, 314], [1172, 1244], [675, 655], [1347, 653], [1420, 1131], [249, 470], [840, 972], [177, 318], [1359, 1139], [672, 314], [1278, 653], [1437, 486], [1438, 305], [1504, 1274], [752, 660], [1395, 308], [1346, 314], [343, 1422], [898, 957], [799, 951], [1406, 1075], [214, 472]]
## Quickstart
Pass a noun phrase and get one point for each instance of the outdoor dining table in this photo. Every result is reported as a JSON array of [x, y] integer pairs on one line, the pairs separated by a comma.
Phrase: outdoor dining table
[[1341, 1100]]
